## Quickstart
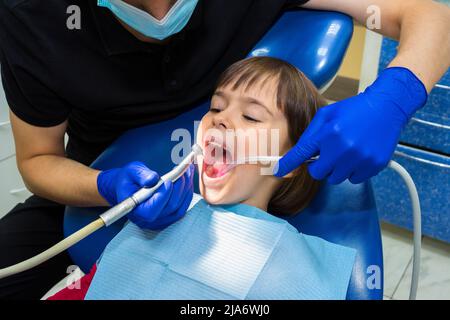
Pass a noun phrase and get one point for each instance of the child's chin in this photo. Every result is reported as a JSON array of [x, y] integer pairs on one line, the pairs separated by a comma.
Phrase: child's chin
[[211, 196], [215, 197]]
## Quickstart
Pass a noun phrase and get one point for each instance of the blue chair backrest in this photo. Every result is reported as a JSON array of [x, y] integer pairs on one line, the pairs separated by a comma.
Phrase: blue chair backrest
[[314, 41]]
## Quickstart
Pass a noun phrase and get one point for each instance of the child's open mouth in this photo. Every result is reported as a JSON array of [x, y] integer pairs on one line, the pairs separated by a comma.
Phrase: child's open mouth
[[217, 159]]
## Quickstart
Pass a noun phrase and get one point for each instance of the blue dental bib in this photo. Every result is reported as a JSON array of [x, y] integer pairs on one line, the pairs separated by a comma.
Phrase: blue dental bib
[[222, 252]]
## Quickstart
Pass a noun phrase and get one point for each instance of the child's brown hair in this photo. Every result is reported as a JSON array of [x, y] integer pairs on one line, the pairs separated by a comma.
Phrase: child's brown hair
[[299, 100]]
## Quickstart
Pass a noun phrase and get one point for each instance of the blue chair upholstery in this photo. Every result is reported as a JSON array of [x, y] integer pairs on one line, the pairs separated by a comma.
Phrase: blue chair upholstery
[[344, 214], [313, 41]]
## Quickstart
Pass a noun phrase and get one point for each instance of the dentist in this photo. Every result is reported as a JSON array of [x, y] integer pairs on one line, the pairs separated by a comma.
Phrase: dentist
[[124, 64]]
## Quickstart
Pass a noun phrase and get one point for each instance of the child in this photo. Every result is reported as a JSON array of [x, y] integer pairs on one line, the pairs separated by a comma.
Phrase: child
[[256, 94]]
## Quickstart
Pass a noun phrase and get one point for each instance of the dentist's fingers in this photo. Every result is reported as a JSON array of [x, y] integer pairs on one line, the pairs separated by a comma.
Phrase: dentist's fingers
[[339, 175], [142, 175], [177, 195], [342, 170], [180, 187], [295, 157], [151, 209], [177, 215], [321, 168], [133, 177], [307, 146], [363, 173]]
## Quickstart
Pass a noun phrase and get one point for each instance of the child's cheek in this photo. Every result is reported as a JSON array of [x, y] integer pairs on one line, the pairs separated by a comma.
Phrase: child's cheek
[[247, 177], [262, 142], [200, 131]]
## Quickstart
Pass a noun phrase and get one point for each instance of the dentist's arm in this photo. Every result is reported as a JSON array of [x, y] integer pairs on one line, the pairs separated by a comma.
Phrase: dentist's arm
[[48, 173], [45, 169], [356, 137], [422, 26]]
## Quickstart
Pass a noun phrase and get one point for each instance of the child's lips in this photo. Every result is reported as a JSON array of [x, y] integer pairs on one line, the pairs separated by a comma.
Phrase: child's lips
[[215, 150], [215, 176], [215, 170], [217, 159], [216, 182]]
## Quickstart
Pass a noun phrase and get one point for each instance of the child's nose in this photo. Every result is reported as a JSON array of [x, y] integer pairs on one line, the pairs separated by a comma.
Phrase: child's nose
[[222, 121]]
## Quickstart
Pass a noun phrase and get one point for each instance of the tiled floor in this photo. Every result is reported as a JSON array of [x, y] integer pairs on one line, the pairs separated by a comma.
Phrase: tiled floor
[[434, 281]]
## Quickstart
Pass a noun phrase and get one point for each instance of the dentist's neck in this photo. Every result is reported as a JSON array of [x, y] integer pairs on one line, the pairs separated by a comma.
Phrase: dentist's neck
[[157, 8]]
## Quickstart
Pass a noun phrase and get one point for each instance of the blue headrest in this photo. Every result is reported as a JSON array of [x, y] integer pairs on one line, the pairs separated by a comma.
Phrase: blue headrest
[[314, 41], [344, 214]]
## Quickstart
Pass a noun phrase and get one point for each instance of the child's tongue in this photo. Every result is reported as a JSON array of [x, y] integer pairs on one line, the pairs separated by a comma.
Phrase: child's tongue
[[216, 170], [215, 166]]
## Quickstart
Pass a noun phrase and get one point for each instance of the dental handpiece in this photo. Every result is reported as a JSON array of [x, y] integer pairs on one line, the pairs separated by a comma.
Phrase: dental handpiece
[[105, 219], [123, 208]]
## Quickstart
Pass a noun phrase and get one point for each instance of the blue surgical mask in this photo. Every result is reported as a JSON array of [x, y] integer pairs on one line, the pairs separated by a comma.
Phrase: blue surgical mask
[[174, 21]]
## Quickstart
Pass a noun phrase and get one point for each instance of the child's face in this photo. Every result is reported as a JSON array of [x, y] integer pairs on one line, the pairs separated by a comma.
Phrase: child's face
[[247, 115]]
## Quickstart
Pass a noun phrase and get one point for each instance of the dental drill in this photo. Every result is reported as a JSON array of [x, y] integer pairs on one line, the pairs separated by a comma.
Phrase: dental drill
[[127, 205], [106, 219]]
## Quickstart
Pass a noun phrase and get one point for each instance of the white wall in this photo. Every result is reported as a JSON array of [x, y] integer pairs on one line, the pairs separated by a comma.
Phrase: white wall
[[12, 188]]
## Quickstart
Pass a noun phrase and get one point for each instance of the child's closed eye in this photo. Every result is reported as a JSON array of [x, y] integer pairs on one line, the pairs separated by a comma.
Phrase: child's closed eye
[[251, 119], [214, 110]]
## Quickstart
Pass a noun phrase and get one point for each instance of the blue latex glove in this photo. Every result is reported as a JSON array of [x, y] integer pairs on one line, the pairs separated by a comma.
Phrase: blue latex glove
[[168, 204], [356, 137]]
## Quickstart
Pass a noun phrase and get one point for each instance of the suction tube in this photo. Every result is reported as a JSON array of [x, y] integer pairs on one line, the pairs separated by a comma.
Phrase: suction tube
[[417, 225]]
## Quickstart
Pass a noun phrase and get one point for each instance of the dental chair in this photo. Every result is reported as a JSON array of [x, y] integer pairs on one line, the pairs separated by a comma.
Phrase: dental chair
[[315, 42]]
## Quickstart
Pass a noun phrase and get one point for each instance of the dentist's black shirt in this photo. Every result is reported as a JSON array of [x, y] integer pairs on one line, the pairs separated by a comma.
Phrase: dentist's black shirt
[[102, 79]]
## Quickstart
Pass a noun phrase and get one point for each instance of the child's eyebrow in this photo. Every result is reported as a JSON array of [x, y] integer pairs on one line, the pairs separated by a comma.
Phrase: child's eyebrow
[[245, 99]]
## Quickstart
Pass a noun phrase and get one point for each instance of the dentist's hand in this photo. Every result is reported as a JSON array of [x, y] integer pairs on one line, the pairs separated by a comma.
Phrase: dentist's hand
[[167, 205], [356, 137]]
